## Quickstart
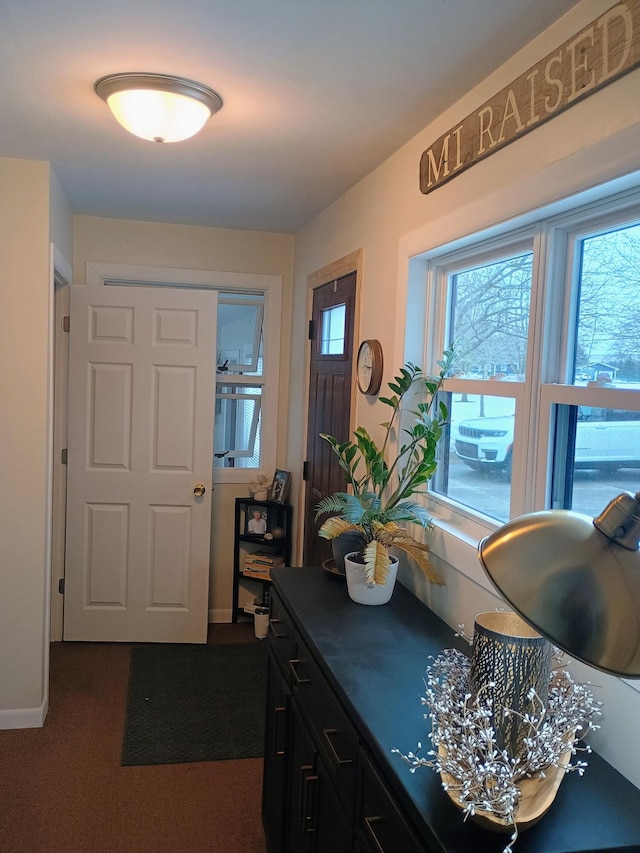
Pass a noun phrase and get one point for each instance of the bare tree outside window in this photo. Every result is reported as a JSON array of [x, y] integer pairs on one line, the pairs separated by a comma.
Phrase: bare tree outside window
[[594, 450], [609, 307], [490, 311]]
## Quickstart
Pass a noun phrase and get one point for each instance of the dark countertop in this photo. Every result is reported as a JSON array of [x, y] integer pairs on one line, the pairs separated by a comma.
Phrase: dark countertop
[[375, 659]]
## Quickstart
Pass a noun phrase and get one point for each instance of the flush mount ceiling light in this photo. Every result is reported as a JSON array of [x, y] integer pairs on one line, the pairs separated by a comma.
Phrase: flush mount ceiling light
[[158, 107]]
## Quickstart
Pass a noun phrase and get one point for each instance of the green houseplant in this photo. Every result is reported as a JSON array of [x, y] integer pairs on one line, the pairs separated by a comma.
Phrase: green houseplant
[[382, 490]]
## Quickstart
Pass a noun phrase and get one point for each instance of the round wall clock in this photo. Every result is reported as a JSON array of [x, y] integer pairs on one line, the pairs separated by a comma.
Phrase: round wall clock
[[369, 366]]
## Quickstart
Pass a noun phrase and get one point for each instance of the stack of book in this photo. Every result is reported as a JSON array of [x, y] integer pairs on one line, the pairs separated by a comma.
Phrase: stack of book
[[259, 565]]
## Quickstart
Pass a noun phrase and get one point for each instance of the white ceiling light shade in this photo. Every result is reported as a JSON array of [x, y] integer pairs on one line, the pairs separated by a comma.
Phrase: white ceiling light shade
[[158, 107]]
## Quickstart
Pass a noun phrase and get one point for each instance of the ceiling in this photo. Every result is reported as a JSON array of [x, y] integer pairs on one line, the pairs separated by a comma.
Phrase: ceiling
[[316, 93]]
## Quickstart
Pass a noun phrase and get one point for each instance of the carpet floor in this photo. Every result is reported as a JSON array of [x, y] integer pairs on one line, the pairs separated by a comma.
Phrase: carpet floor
[[63, 789]]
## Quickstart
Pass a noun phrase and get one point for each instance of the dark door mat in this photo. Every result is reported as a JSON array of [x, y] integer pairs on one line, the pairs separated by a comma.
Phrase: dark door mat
[[191, 703]]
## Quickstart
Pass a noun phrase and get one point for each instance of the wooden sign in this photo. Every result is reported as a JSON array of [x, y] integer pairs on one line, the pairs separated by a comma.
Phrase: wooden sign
[[599, 54]]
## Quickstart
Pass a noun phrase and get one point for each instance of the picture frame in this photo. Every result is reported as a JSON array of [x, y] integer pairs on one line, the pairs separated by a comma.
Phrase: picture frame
[[280, 486], [257, 522]]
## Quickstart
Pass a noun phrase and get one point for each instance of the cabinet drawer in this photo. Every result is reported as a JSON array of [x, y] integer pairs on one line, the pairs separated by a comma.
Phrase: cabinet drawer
[[336, 738], [317, 823], [382, 827], [276, 756], [280, 634]]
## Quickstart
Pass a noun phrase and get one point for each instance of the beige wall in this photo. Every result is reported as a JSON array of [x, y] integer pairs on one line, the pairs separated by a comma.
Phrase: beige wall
[[24, 486], [184, 246], [387, 217], [190, 247]]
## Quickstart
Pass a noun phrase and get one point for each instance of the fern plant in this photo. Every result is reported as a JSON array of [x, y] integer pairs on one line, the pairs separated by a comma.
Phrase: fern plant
[[381, 490]]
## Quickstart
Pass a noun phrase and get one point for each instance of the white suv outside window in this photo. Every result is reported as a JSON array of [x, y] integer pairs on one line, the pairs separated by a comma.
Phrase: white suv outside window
[[605, 439]]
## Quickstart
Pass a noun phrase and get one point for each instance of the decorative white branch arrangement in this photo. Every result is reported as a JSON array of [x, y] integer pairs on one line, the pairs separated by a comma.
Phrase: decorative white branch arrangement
[[476, 773]]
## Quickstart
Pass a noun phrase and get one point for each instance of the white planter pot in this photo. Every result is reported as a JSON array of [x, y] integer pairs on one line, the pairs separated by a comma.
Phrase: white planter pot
[[363, 593], [261, 494]]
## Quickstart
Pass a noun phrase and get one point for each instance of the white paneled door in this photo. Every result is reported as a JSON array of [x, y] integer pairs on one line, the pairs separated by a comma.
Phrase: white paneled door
[[142, 365]]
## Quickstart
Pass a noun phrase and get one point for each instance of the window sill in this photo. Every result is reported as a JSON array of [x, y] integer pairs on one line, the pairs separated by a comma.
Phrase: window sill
[[458, 547]]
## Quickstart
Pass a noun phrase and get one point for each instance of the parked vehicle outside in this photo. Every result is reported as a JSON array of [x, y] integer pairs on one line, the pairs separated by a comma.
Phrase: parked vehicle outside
[[606, 439]]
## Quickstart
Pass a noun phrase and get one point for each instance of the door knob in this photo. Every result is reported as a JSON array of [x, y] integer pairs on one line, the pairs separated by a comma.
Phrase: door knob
[[199, 490]]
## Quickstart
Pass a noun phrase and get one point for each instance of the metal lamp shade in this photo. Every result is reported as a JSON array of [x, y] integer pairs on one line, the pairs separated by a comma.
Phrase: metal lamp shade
[[574, 583]]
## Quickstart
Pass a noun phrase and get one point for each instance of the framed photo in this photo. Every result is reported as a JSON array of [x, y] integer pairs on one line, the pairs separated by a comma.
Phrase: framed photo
[[280, 487], [256, 521]]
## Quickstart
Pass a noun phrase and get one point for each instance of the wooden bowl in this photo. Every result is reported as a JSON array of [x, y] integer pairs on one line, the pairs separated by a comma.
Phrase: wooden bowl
[[537, 796]]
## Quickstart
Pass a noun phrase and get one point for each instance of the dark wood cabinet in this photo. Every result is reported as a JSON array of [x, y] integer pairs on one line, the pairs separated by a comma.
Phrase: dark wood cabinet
[[381, 824], [315, 821], [276, 753], [303, 810], [345, 682]]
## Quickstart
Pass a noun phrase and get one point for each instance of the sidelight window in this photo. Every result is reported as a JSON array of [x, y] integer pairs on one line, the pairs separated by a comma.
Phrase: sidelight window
[[239, 383]]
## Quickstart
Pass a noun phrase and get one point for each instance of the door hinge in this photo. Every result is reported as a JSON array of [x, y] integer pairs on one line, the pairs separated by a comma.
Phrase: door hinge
[[305, 470], [63, 455], [312, 330], [61, 586], [66, 323]]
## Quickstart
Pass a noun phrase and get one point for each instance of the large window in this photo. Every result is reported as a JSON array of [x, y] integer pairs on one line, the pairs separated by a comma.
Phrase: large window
[[545, 399]]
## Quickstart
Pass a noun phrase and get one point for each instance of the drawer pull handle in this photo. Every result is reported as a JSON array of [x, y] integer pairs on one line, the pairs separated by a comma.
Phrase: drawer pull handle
[[369, 822], [339, 762], [272, 626], [298, 679], [302, 787], [279, 736], [310, 797]]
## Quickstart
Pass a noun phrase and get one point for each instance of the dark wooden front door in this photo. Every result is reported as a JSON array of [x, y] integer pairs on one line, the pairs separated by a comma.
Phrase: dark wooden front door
[[329, 401]]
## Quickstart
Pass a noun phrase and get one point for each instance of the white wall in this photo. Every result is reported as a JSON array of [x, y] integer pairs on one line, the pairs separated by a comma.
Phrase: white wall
[[24, 482], [61, 237], [594, 141], [61, 219], [200, 248]]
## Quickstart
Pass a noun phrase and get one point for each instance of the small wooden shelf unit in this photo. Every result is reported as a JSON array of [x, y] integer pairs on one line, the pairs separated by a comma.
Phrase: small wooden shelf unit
[[254, 556]]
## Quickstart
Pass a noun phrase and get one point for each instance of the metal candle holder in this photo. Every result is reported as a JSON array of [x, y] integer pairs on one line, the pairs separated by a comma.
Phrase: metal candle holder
[[509, 658]]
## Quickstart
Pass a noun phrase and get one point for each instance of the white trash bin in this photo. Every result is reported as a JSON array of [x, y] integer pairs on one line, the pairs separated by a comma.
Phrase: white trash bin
[[261, 622]]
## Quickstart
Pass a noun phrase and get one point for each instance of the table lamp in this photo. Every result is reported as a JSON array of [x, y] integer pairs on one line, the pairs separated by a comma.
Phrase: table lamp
[[575, 579]]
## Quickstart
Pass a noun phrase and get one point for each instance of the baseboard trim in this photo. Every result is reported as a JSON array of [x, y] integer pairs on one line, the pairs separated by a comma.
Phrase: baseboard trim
[[24, 718], [220, 616]]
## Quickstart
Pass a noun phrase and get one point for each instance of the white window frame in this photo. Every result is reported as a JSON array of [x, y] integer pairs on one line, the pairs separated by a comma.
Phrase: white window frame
[[253, 427], [246, 376], [438, 272], [458, 530], [235, 369], [102, 273]]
